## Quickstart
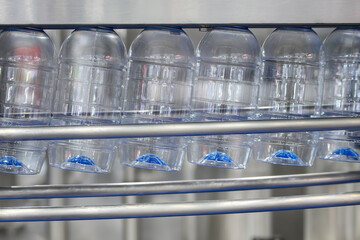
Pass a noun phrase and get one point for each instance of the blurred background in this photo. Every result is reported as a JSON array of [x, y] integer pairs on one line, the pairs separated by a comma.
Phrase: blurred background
[[329, 223]]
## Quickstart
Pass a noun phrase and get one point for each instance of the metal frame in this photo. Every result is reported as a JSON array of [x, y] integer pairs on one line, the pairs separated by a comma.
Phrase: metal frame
[[135, 13], [179, 129], [177, 209], [177, 187]]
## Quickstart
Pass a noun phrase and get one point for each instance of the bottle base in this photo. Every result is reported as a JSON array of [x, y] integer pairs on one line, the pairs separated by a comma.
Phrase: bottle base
[[275, 151], [342, 150], [218, 159], [153, 154], [21, 161], [149, 161], [81, 157], [343, 155], [285, 157], [228, 152]]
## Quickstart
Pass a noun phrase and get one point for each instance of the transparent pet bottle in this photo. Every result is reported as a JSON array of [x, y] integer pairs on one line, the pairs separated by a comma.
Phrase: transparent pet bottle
[[158, 90], [226, 89], [341, 93], [27, 70], [290, 88], [92, 68]]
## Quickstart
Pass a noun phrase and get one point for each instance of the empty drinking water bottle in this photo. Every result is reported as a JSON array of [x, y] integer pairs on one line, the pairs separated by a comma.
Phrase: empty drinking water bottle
[[226, 89], [341, 93], [158, 90], [92, 67], [290, 88], [27, 70]]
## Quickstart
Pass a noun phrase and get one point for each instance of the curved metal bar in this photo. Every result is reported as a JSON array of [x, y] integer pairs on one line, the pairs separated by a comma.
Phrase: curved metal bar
[[179, 129], [177, 187], [177, 209]]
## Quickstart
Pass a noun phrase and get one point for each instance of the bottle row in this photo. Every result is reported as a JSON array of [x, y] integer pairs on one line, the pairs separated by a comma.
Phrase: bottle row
[[229, 77]]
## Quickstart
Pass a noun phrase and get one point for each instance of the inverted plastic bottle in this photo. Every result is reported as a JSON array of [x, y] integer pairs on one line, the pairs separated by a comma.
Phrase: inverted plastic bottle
[[158, 90], [27, 70], [290, 88], [92, 67], [341, 93], [226, 89]]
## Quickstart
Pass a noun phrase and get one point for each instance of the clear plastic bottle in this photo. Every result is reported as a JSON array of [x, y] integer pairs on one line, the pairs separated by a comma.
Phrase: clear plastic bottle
[[27, 70], [290, 88], [158, 90], [226, 89], [341, 93], [92, 67]]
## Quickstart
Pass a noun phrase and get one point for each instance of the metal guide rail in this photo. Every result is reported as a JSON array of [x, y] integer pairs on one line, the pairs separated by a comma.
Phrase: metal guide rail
[[177, 209], [178, 187], [46, 213], [180, 129]]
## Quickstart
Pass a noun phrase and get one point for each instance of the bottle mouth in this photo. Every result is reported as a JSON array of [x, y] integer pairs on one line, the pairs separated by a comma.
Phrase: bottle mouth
[[165, 28], [356, 28], [230, 28], [295, 28], [97, 29], [24, 29]]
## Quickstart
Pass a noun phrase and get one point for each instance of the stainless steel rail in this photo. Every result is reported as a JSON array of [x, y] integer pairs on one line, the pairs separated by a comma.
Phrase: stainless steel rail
[[177, 209], [176, 187], [62, 13], [179, 129]]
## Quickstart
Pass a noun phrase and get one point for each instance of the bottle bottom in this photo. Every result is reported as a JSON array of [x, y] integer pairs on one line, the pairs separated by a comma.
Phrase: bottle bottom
[[283, 151], [9, 164], [149, 161], [23, 158], [153, 154], [83, 155], [231, 152], [339, 148], [285, 157]]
